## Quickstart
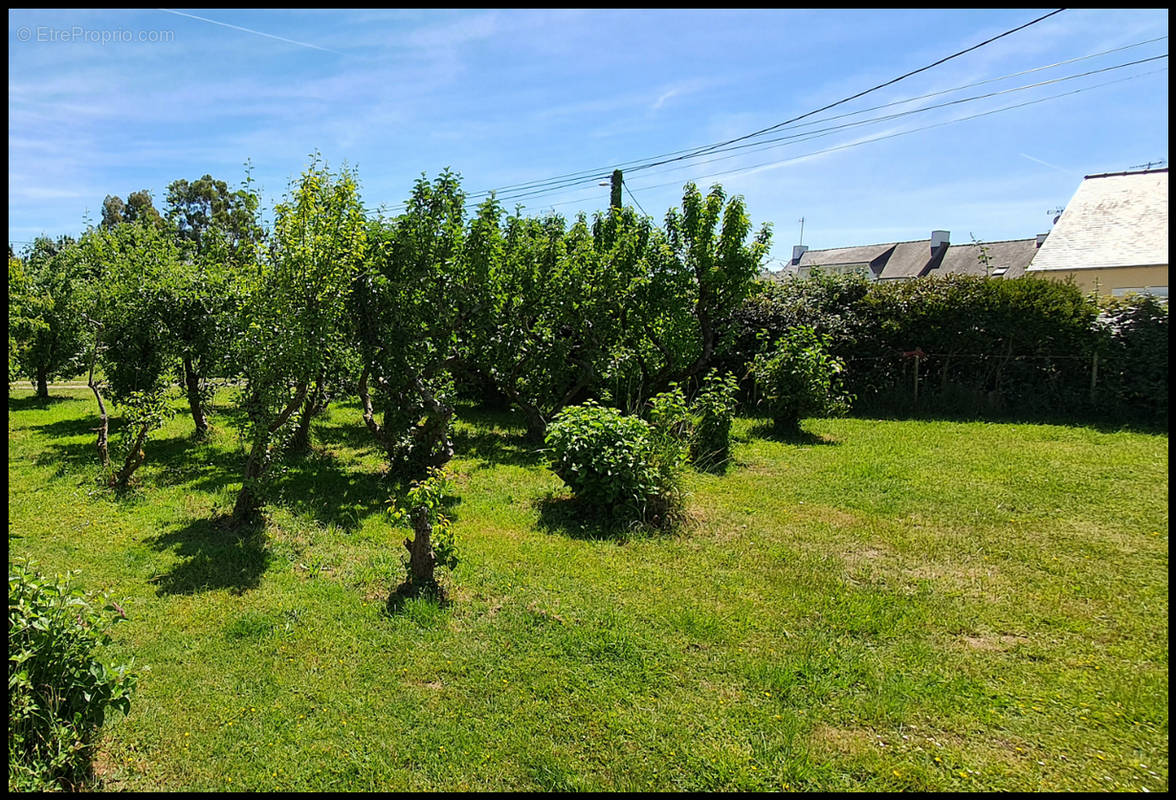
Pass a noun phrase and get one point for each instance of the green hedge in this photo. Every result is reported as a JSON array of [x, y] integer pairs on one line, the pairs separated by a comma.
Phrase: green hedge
[[985, 346]]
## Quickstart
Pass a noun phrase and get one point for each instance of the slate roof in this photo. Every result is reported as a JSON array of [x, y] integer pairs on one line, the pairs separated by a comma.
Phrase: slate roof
[[1013, 255], [899, 260], [912, 259], [845, 256], [1117, 219]]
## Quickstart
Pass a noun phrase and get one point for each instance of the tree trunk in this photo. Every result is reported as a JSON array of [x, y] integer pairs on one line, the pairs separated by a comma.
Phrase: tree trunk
[[316, 403], [102, 429], [103, 420], [135, 458], [431, 444], [536, 427], [192, 383], [369, 417], [42, 383], [300, 443], [422, 561], [249, 499]]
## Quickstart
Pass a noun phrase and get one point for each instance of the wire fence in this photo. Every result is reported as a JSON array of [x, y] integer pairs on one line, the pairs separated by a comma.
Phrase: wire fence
[[989, 373]]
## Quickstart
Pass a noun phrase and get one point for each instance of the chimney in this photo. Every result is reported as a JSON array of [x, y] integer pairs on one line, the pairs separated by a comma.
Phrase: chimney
[[1041, 239], [798, 251], [939, 238]]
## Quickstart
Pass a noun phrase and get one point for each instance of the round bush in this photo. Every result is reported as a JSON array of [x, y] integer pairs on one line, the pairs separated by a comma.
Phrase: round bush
[[614, 462]]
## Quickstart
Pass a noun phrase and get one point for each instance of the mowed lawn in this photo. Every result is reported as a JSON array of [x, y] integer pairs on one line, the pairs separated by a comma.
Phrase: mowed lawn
[[881, 605]]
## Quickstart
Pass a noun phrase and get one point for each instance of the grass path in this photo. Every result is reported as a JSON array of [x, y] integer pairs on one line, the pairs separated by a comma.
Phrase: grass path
[[885, 605]]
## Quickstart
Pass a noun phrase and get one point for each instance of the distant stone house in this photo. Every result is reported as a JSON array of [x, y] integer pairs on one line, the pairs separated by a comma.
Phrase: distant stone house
[[906, 260], [1113, 235]]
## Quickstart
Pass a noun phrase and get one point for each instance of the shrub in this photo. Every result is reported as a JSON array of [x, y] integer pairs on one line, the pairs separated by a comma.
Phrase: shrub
[[1018, 345], [713, 410], [671, 424], [58, 688], [799, 378], [831, 304], [615, 463]]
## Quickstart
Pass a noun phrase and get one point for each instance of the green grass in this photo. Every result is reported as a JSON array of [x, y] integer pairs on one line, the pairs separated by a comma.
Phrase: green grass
[[882, 605]]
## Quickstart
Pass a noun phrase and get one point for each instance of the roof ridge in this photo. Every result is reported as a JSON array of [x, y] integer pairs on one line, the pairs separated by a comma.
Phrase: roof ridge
[[920, 241], [1125, 172]]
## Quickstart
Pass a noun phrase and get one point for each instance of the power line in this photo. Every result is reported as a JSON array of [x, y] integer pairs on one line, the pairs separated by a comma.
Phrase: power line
[[890, 82], [814, 134], [584, 176], [913, 130], [768, 144], [630, 191], [875, 139], [987, 80]]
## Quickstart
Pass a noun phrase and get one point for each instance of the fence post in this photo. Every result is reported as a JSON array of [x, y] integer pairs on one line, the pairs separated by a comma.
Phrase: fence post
[[916, 379], [1093, 375]]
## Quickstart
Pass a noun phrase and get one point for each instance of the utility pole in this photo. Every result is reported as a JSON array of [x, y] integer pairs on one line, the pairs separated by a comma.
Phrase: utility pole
[[614, 199]]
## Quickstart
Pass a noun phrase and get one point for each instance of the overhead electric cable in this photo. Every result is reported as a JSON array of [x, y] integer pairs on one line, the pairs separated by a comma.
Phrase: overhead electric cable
[[594, 175], [875, 139], [913, 130], [630, 191], [890, 82], [980, 83], [814, 134]]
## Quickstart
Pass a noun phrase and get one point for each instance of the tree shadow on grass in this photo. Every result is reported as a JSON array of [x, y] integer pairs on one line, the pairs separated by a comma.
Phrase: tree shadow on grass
[[319, 486], [497, 437], [34, 403], [496, 447], [568, 516], [766, 430], [422, 607], [174, 461], [76, 426], [350, 437], [188, 462], [217, 557], [68, 457]]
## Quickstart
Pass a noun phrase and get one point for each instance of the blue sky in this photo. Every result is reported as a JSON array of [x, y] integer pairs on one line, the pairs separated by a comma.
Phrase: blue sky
[[109, 102]]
